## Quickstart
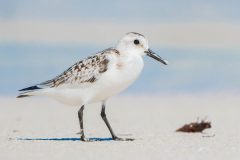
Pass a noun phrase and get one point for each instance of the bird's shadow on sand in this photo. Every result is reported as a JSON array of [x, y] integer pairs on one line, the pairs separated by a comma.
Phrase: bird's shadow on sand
[[63, 139]]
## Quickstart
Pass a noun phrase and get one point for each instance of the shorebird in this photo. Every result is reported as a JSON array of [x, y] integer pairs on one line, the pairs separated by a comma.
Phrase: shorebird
[[97, 78]]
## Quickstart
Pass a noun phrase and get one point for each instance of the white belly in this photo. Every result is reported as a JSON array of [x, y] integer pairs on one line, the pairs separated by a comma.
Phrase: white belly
[[111, 82], [117, 80]]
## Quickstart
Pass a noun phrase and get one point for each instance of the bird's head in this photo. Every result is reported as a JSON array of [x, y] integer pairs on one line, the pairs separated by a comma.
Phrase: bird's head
[[136, 43]]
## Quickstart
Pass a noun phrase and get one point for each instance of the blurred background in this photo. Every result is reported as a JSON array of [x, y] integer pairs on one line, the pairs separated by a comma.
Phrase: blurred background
[[200, 39]]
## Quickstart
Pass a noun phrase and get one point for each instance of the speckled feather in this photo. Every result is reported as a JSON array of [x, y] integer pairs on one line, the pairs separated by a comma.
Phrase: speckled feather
[[87, 70]]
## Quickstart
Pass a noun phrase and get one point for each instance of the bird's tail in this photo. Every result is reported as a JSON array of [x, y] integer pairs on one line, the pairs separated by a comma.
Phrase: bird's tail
[[29, 91]]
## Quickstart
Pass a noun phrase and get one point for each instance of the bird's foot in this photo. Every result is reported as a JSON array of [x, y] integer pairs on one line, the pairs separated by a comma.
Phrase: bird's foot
[[122, 139], [99, 139], [82, 138], [87, 139]]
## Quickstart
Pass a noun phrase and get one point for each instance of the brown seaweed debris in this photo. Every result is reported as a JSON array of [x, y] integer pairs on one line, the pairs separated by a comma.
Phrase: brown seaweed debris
[[195, 127]]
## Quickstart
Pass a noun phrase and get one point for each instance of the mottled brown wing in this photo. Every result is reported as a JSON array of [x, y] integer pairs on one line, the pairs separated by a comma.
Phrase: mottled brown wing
[[86, 71]]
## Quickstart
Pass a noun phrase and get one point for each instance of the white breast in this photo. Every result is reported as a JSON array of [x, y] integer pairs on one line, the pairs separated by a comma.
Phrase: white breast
[[120, 75]]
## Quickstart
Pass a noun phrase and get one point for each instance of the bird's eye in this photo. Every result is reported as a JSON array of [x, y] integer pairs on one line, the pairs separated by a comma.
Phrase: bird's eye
[[136, 41]]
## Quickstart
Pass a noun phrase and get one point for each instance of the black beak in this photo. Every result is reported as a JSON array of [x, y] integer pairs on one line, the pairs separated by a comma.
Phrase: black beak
[[153, 55]]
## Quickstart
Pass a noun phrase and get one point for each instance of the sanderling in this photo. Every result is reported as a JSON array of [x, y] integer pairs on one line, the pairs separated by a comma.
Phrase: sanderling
[[98, 77]]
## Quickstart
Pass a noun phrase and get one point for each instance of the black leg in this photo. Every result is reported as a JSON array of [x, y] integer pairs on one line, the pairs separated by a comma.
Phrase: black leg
[[80, 117], [104, 117]]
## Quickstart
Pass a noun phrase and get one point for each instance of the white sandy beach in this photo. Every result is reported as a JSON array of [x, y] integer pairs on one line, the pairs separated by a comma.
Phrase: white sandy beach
[[151, 120]]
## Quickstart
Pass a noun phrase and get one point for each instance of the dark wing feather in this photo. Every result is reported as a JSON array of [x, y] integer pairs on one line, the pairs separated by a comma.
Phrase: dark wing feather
[[85, 71]]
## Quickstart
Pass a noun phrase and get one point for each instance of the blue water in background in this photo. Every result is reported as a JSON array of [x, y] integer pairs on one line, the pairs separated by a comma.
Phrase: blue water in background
[[189, 70]]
